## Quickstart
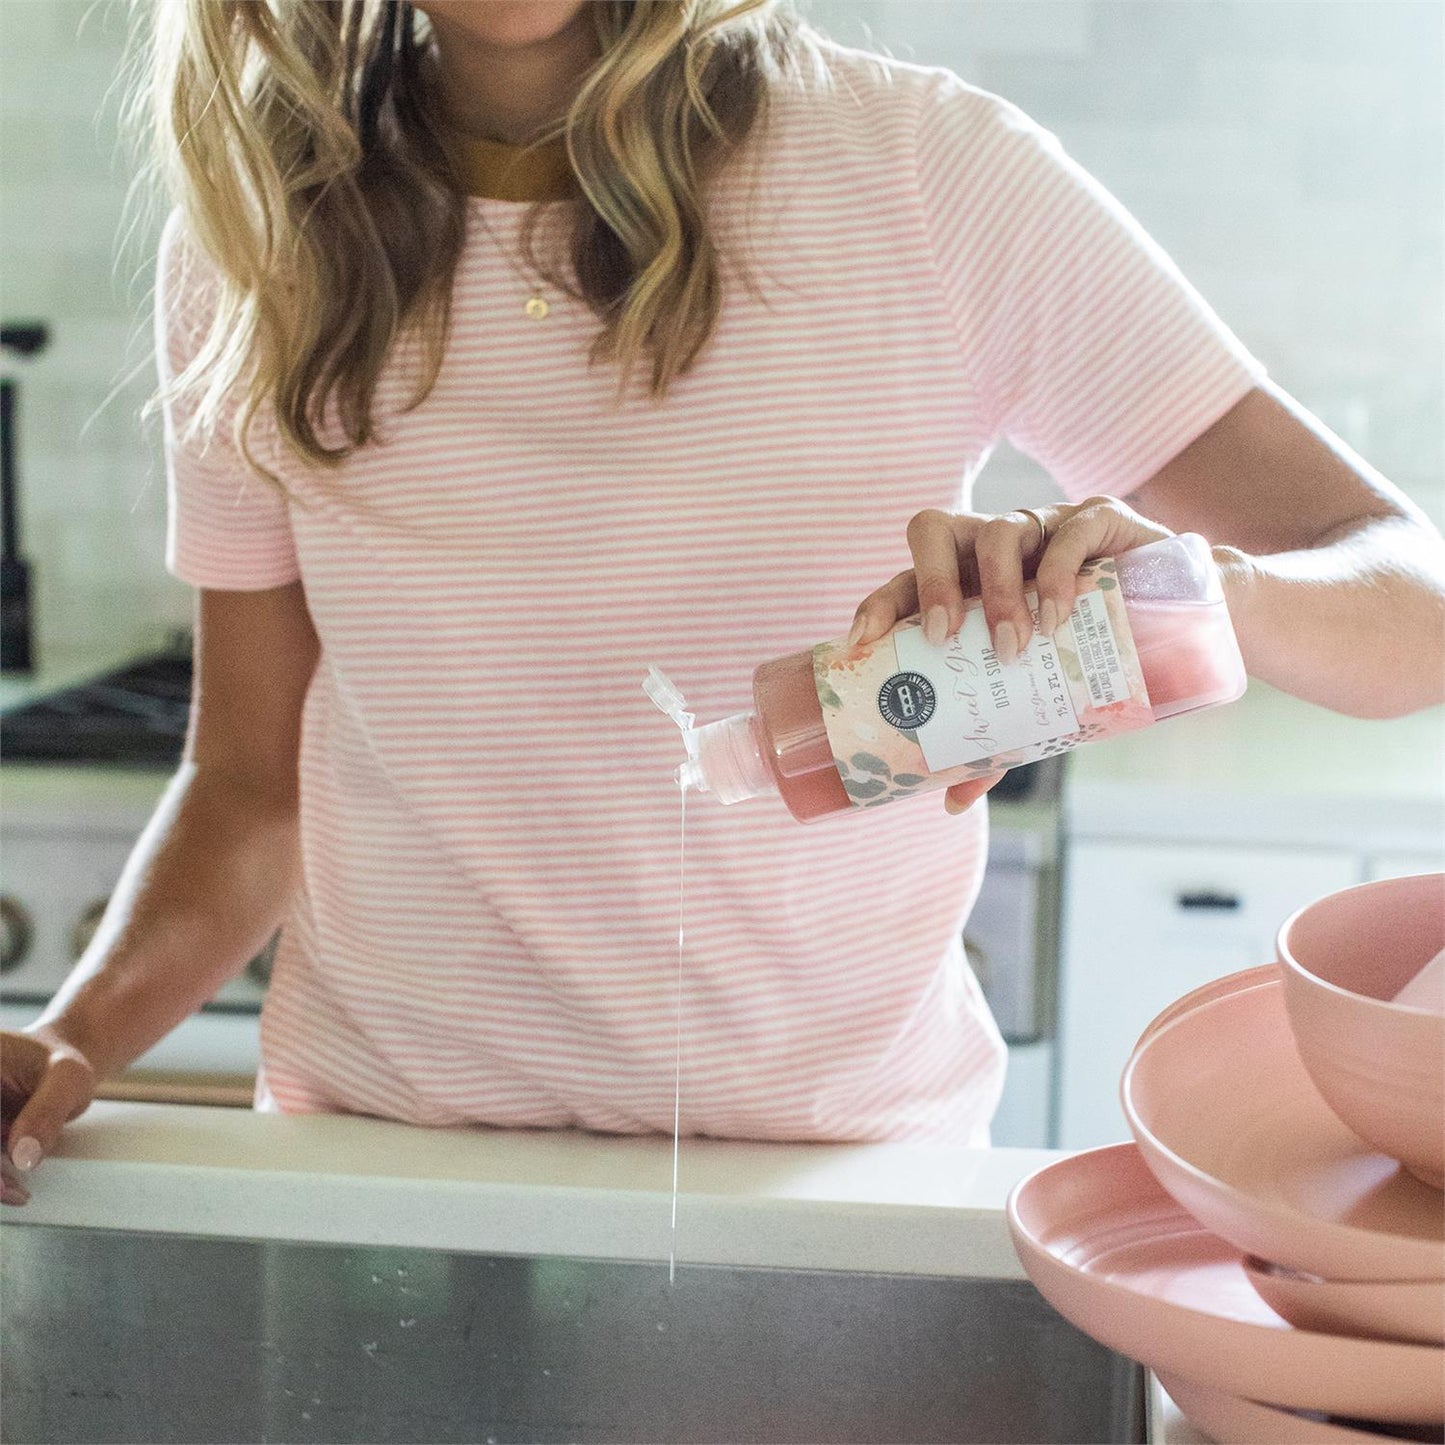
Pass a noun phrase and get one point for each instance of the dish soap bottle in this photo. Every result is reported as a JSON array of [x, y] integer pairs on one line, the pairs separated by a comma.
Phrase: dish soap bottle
[[841, 728]]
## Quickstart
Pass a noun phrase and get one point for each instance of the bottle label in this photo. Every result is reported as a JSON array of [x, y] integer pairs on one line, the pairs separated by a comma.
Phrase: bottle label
[[904, 716]]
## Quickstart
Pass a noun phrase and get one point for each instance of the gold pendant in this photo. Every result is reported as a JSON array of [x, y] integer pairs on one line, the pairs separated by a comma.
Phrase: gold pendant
[[536, 308]]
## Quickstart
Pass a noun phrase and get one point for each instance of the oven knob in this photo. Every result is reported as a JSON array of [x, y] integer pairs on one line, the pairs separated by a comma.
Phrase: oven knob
[[86, 925], [18, 931]]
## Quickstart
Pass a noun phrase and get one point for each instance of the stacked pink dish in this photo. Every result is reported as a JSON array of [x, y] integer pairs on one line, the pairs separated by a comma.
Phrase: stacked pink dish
[[1273, 1242]]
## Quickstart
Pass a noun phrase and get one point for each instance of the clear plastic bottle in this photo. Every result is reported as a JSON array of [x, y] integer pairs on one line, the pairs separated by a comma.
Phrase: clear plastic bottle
[[1150, 638]]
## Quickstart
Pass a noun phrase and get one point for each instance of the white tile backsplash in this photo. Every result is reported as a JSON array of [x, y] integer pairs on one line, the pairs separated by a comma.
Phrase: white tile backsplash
[[1287, 153], [93, 513]]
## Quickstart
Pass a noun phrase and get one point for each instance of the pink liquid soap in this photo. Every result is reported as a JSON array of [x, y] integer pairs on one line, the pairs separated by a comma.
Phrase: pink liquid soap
[[1186, 651]]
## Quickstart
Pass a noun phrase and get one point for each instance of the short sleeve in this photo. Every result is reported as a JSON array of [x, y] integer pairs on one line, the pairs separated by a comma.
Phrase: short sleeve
[[1091, 351], [227, 526]]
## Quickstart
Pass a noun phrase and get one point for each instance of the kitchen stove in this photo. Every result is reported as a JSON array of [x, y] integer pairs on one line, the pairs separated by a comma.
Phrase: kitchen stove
[[134, 716]]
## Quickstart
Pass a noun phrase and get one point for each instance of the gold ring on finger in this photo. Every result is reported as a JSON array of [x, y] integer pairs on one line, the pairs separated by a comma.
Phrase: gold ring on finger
[[1039, 523]]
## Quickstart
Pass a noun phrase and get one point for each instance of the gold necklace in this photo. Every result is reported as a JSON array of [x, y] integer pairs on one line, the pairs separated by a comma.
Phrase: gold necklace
[[508, 172], [537, 306]]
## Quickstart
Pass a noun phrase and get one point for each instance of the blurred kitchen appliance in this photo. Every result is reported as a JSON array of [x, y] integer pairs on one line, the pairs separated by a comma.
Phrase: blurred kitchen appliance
[[1011, 936], [134, 716], [16, 653], [1012, 940]]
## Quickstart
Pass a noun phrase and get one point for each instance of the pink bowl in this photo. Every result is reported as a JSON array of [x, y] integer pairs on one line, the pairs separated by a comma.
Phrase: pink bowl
[[1228, 1120], [1122, 1261], [1393, 1309], [1226, 1417], [1379, 1065], [1225, 987]]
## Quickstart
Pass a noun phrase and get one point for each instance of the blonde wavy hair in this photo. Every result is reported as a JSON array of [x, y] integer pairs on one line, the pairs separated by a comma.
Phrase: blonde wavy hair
[[302, 144]]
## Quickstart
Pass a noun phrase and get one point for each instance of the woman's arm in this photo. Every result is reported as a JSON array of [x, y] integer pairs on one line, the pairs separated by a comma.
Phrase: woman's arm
[[205, 886], [1335, 579], [207, 883]]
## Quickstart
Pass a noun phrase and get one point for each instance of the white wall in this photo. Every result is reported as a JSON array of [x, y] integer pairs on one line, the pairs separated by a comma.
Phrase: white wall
[[1286, 152]]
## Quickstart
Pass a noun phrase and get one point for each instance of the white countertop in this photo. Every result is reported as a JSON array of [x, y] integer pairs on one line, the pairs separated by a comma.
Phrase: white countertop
[[1267, 769], [893, 1208]]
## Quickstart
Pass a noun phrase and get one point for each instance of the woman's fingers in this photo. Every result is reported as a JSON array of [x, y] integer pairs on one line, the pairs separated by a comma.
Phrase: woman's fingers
[[12, 1191], [1099, 527], [1002, 547], [44, 1087], [960, 555], [942, 575], [880, 609], [1008, 550], [962, 796], [1057, 578], [934, 540]]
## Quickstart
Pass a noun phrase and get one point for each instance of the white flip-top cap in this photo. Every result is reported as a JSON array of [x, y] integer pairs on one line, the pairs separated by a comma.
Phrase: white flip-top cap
[[723, 758]]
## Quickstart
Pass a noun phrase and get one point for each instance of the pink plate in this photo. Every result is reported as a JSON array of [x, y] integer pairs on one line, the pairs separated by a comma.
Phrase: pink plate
[[1118, 1258], [1387, 1309], [1231, 1125], [1231, 983], [1228, 1420]]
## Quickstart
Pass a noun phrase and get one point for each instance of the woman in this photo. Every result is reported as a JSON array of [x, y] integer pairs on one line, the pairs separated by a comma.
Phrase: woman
[[509, 348]]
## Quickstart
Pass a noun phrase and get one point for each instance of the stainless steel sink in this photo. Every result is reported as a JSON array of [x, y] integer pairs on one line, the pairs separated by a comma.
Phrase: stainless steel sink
[[131, 1337]]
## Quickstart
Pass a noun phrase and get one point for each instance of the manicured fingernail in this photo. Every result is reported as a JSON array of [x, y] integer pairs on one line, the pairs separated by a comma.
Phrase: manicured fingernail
[[855, 633], [935, 625], [952, 805], [1006, 643], [1048, 616], [25, 1154]]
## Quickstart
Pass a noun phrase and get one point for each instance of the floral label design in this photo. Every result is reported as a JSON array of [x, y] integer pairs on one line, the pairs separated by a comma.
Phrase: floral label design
[[905, 717]]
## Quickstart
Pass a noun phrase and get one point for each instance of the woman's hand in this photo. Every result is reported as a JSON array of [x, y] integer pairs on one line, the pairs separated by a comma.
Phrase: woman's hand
[[44, 1084], [967, 554]]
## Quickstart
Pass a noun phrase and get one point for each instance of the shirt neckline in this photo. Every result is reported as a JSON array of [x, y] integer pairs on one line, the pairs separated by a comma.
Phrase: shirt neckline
[[492, 170]]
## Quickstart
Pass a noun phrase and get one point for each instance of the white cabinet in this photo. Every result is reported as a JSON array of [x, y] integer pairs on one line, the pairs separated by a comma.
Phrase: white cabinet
[[1143, 923]]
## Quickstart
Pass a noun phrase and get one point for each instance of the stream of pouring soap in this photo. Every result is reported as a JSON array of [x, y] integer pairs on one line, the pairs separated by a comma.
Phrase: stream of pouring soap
[[677, 1062], [671, 701]]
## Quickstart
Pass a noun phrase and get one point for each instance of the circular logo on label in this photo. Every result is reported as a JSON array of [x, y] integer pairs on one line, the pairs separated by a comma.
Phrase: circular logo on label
[[907, 701]]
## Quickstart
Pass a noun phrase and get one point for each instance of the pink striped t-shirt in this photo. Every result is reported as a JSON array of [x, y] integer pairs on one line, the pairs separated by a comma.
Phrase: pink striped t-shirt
[[486, 930]]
